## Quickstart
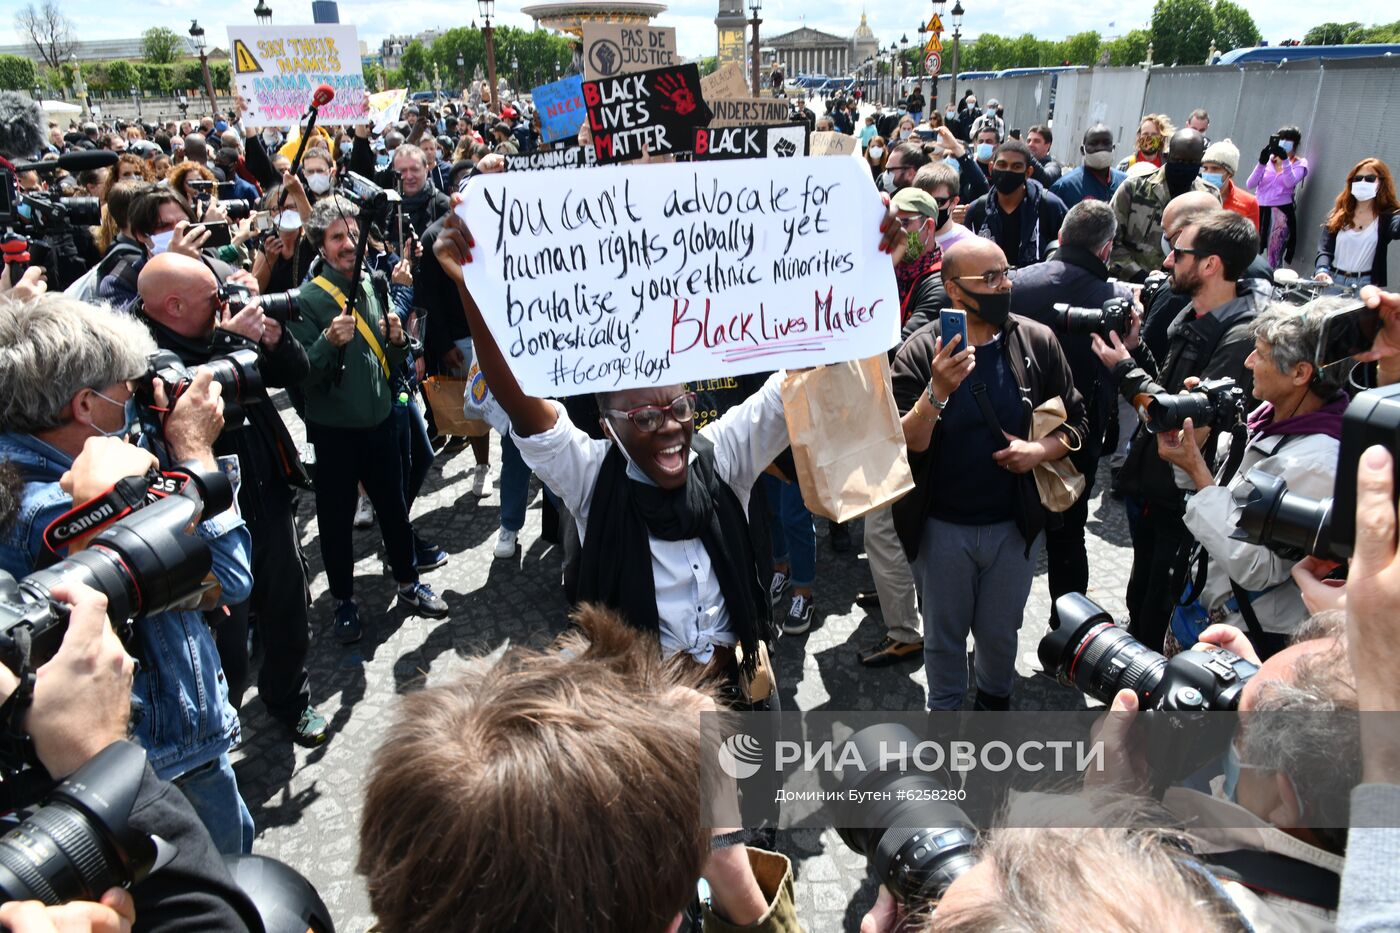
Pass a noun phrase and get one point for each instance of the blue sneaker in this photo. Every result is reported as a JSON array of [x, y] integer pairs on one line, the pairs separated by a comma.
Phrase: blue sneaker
[[421, 599], [429, 556], [347, 628]]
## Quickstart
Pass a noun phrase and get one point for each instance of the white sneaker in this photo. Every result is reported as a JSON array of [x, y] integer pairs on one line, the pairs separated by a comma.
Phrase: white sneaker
[[364, 513], [480, 474], [505, 543]]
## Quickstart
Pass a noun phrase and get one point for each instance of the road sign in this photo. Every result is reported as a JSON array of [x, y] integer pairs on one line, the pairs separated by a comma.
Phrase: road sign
[[935, 44], [243, 60], [935, 24], [933, 63]]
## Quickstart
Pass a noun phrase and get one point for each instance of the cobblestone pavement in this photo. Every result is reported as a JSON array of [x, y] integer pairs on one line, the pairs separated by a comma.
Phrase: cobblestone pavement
[[306, 803]]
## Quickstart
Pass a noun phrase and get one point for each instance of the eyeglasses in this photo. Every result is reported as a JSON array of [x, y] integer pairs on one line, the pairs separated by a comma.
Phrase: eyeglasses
[[898, 168], [649, 418], [1187, 251], [910, 224], [1365, 178], [991, 279]]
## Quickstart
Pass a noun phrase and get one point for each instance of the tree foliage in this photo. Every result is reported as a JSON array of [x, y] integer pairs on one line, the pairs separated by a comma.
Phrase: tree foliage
[[161, 46], [1234, 27], [1182, 31], [1352, 34], [415, 65], [542, 55], [16, 73], [47, 31]]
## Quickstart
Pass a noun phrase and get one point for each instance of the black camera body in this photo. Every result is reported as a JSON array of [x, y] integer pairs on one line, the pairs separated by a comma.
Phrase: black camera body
[[1217, 404], [280, 306], [1092, 654], [240, 381], [1115, 315], [1293, 525]]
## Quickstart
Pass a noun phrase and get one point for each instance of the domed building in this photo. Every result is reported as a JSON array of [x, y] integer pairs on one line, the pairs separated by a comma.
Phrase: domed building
[[808, 51]]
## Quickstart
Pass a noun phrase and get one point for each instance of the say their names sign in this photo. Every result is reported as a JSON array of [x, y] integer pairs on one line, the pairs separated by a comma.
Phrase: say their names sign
[[748, 111], [277, 69], [655, 109], [672, 272], [610, 50], [750, 142]]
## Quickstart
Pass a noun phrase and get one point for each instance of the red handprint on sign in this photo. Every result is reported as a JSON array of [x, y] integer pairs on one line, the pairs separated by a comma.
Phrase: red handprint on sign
[[682, 98]]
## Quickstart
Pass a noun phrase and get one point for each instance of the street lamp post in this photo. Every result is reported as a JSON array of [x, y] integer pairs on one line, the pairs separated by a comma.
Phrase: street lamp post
[[136, 99], [263, 13], [36, 93], [933, 79], [184, 104], [755, 22], [462, 72], [903, 61], [79, 85], [487, 7], [957, 37], [197, 34]]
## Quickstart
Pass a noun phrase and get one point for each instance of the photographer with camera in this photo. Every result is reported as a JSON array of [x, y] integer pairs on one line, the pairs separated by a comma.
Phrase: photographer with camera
[[1077, 275], [1210, 339], [196, 316], [67, 375], [349, 414], [594, 753], [160, 221], [1294, 435]]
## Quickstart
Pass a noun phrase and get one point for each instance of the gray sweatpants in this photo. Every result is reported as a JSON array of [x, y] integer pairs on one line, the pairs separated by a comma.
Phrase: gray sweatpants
[[894, 581], [972, 578]]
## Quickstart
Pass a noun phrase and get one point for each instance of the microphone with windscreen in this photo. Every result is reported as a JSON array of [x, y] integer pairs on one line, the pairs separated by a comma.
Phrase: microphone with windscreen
[[323, 95]]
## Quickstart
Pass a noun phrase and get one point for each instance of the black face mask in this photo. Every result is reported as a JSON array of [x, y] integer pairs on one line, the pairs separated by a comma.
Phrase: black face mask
[[943, 214], [993, 308], [1180, 175], [1008, 182]]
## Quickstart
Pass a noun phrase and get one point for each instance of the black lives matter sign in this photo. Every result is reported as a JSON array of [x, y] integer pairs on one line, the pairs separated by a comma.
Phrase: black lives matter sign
[[750, 142], [656, 111]]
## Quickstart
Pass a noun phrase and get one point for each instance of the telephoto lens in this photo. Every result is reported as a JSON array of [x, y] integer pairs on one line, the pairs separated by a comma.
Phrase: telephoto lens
[[1092, 654], [918, 846], [81, 842], [1216, 404], [1290, 524], [282, 306], [1116, 315]]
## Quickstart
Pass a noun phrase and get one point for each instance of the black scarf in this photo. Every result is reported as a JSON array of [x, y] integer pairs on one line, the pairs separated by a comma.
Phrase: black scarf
[[615, 566]]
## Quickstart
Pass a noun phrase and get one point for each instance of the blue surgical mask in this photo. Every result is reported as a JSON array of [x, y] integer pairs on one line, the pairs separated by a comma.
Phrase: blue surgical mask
[[984, 152], [160, 242], [1286, 145], [129, 411], [1215, 179]]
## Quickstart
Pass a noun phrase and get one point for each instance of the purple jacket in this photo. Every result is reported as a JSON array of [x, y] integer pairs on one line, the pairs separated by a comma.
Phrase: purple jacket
[[1275, 189]]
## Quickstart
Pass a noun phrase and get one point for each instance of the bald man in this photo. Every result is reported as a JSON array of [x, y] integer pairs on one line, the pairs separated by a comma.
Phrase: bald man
[[188, 311], [1140, 202], [974, 525]]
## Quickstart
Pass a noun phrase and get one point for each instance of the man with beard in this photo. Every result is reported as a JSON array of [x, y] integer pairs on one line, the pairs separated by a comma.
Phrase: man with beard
[[1209, 339], [1139, 202]]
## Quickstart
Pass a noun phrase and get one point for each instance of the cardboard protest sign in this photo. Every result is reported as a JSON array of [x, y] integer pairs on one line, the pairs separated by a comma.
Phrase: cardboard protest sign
[[561, 109], [610, 50], [748, 111], [726, 81], [276, 69], [671, 272], [657, 109], [750, 142], [830, 142], [385, 106], [570, 157]]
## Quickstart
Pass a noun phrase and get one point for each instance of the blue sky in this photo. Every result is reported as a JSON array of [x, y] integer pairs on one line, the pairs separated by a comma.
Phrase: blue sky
[[693, 19]]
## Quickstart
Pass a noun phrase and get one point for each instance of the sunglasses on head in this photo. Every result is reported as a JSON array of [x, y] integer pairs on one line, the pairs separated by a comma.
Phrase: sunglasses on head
[[650, 418]]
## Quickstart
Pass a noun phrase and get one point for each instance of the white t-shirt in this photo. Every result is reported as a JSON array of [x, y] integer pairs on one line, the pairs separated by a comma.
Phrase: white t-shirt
[[954, 234], [1356, 249]]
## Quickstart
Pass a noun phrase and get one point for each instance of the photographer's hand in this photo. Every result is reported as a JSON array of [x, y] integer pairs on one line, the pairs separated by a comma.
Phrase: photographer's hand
[[196, 420], [188, 243], [250, 322], [82, 695], [886, 916], [114, 913], [1320, 592], [1125, 762], [1229, 638], [734, 891], [1110, 353], [102, 462], [1385, 349], [29, 286], [1173, 447]]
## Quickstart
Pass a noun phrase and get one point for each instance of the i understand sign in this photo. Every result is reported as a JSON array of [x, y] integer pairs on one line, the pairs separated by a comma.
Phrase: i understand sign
[[661, 273], [277, 68]]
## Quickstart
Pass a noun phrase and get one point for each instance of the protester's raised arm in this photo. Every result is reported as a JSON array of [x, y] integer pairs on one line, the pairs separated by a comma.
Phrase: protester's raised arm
[[528, 415]]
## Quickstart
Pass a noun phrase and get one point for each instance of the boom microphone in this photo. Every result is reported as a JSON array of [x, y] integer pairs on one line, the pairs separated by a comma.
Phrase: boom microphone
[[21, 126], [80, 161]]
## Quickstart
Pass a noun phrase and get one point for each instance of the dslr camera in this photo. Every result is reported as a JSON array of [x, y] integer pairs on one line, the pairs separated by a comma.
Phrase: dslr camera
[[1293, 525], [237, 374], [1115, 315], [1217, 404], [1092, 654], [280, 306], [919, 846]]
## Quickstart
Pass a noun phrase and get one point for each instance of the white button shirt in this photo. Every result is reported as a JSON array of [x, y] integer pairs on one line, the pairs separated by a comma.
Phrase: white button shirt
[[689, 603]]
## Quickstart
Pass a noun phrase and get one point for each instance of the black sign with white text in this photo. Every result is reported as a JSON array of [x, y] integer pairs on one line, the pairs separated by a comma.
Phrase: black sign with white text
[[751, 142], [650, 112]]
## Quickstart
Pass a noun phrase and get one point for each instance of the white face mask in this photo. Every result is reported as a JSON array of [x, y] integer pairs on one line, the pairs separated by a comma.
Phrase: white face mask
[[288, 221], [318, 182], [1364, 190], [1098, 161], [160, 242], [876, 152]]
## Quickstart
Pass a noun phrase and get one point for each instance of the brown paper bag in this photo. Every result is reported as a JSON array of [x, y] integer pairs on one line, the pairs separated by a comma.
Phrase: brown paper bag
[[444, 394], [1059, 482], [846, 438]]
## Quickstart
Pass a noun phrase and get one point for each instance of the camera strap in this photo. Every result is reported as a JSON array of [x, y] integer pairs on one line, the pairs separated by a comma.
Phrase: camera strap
[[126, 496]]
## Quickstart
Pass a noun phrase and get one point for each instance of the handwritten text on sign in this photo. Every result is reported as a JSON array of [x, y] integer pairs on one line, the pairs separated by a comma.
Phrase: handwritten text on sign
[[277, 68], [611, 279]]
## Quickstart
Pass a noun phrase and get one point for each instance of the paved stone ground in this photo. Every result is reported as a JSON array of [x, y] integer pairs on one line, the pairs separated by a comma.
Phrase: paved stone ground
[[306, 803]]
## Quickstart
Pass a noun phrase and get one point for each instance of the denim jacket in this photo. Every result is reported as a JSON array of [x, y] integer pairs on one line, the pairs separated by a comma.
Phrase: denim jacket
[[179, 698]]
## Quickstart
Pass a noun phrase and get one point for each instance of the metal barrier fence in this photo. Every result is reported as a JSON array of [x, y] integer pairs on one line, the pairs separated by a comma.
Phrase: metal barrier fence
[[1347, 110]]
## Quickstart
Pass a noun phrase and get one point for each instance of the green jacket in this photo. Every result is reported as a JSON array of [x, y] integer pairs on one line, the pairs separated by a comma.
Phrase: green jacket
[[364, 396], [773, 872], [1138, 204]]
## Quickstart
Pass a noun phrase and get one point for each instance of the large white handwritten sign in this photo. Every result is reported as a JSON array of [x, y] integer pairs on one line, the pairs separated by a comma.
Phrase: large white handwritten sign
[[612, 278], [276, 69]]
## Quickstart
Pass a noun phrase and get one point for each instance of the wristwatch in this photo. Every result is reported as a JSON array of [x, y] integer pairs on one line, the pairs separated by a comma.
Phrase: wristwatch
[[933, 401]]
